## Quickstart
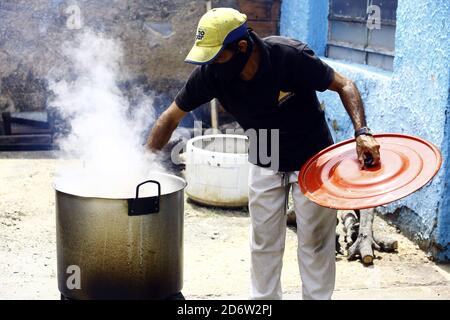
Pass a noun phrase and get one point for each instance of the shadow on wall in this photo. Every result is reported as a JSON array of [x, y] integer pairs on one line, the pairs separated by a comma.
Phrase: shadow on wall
[[410, 224], [23, 91]]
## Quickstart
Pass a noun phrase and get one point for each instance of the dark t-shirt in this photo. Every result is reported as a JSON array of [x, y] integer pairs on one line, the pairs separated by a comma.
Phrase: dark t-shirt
[[289, 66]]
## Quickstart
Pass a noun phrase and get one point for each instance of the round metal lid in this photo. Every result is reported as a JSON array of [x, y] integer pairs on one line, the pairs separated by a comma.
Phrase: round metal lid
[[333, 178]]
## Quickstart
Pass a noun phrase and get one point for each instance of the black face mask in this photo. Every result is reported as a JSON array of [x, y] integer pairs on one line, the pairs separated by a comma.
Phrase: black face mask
[[231, 69]]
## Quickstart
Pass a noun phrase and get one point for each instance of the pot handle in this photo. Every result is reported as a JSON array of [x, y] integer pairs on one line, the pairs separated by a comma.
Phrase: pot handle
[[141, 206]]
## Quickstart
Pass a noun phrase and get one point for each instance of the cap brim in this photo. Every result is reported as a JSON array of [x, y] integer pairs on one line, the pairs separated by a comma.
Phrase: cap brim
[[202, 55]]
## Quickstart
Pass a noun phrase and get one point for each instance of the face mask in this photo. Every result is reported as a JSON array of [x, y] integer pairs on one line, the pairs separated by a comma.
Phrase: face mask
[[231, 69]]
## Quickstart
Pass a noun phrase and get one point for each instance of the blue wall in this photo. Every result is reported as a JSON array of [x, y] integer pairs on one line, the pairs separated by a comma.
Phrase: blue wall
[[306, 20], [413, 99]]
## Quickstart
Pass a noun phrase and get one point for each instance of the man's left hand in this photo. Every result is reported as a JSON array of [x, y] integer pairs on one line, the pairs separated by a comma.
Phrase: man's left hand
[[366, 146]]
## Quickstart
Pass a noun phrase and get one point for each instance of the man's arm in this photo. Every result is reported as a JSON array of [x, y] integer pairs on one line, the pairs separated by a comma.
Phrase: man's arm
[[164, 127], [351, 99]]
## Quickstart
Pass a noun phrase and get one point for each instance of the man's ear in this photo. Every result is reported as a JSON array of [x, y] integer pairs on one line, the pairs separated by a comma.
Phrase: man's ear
[[243, 45]]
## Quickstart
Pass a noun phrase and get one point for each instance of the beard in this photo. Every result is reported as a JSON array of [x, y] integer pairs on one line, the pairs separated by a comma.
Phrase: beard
[[231, 69]]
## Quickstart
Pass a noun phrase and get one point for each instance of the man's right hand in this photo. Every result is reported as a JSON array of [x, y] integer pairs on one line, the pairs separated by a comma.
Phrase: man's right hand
[[367, 145], [164, 127]]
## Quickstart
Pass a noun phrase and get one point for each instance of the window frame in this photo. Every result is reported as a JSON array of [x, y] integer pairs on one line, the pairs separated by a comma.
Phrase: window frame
[[365, 48]]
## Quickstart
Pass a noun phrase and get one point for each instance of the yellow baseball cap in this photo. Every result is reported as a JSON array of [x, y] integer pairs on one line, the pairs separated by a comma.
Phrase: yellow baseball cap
[[217, 28]]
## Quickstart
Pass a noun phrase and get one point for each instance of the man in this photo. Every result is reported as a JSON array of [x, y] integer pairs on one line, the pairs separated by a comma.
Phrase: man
[[246, 74]]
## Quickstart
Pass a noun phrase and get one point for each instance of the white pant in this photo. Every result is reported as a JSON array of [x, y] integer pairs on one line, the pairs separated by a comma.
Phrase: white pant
[[316, 232]]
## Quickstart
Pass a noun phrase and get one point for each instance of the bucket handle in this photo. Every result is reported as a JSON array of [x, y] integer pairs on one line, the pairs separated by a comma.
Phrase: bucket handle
[[147, 205]]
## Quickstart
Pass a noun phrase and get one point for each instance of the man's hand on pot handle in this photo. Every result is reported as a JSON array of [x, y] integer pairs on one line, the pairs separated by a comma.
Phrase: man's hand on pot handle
[[367, 147]]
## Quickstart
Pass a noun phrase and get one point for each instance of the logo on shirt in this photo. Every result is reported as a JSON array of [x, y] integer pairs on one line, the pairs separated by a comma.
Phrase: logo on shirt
[[200, 34]]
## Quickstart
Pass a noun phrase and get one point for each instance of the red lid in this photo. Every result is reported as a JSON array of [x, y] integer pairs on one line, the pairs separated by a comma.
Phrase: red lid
[[333, 178]]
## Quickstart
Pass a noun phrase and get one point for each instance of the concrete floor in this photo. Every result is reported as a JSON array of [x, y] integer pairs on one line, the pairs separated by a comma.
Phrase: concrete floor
[[408, 274], [216, 264]]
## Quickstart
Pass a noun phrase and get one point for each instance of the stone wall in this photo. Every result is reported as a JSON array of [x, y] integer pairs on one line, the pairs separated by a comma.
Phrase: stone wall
[[156, 36]]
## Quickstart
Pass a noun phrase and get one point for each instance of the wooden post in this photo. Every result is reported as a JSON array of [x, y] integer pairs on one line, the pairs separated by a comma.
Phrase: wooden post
[[213, 103]]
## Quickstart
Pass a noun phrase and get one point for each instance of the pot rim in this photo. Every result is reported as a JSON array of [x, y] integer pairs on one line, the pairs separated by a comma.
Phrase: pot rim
[[62, 188]]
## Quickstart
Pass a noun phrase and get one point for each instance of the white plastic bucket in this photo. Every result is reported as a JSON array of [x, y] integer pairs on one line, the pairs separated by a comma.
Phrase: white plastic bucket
[[217, 170]]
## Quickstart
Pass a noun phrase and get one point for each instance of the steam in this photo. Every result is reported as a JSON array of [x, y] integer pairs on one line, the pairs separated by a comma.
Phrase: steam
[[106, 131]]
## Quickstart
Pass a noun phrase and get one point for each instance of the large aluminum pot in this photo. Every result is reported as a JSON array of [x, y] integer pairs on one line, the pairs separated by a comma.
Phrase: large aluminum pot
[[126, 246]]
